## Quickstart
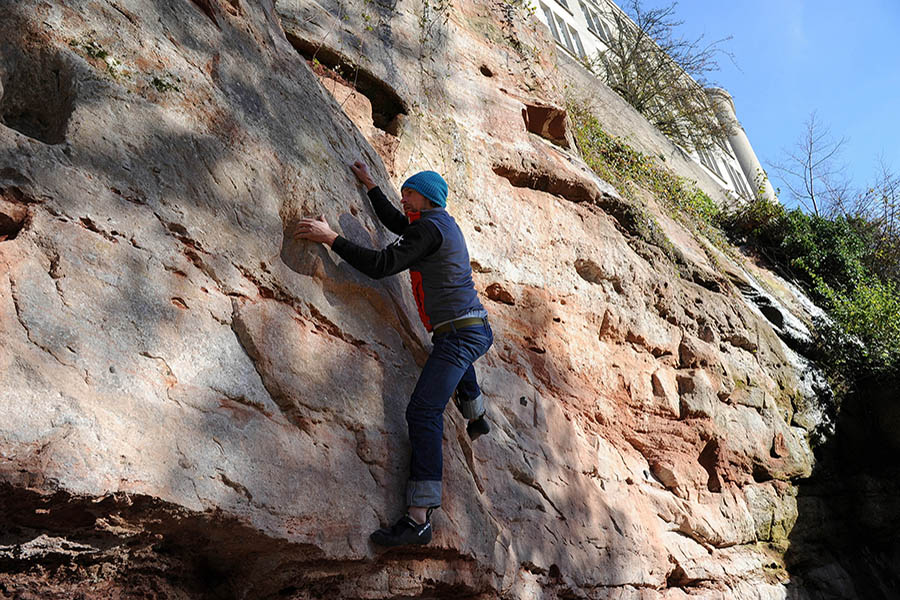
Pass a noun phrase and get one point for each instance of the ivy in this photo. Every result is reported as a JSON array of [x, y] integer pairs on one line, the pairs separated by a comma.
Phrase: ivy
[[623, 166]]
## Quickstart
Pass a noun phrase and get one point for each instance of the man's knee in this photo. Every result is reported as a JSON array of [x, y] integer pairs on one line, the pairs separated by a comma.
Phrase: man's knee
[[420, 413]]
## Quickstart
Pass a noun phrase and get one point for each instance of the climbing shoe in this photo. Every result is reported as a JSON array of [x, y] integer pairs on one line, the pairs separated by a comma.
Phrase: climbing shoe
[[477, 427], [402, 533]]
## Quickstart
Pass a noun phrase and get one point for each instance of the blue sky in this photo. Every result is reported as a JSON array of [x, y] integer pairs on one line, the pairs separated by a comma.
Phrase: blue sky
[[841, 59]]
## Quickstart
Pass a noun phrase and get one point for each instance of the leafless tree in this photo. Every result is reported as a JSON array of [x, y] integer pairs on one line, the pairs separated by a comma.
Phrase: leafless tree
[[662, 74], [813, 172], [815, 175], [878, 208], [879, 202]]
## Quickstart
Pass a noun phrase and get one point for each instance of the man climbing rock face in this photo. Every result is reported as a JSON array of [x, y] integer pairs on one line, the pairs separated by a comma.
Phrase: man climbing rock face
[[431, 245]]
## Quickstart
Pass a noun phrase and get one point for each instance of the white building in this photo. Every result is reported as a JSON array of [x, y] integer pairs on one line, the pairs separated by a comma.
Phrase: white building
[[582, 28]]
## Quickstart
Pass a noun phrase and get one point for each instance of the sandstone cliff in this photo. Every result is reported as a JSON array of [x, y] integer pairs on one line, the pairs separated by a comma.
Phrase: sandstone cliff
[[194, 406]]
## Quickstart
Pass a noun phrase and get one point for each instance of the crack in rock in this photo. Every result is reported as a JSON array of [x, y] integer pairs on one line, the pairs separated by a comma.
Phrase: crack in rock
[[290, 410], [17, 306], [525, 479], [168, 375], [237, 487]]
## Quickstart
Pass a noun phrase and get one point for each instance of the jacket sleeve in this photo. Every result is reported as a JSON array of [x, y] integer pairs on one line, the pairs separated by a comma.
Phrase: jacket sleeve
[[418, 240], [387, 213]]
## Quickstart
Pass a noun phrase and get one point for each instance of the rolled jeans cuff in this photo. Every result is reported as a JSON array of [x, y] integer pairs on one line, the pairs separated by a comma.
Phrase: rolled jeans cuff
[[471, 409], [423, 493]]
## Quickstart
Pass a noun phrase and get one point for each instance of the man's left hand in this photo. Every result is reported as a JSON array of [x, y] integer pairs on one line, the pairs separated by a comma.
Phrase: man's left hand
[[315, 230]]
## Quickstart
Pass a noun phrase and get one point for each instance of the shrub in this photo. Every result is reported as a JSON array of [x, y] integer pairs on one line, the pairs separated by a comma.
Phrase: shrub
[[871, 313], [812, 249], [836, 259]]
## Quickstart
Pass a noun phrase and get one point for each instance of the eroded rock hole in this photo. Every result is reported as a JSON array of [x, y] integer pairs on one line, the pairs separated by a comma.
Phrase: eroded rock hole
[[773, 314], [14, 213], [708, 459], [486, 71], [207, 7], [549, 122], [545, 182], [37, 95], [593, 273], [234, 7], [761, 474], [387, 106], [678, 578], [12, 220], [498, 293]]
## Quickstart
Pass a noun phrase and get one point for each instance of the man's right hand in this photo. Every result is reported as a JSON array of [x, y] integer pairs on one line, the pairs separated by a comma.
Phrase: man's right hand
[[361, 171]]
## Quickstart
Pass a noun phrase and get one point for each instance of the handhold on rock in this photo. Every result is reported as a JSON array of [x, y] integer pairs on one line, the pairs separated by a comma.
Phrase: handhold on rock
[[497, 293], [12, 219]]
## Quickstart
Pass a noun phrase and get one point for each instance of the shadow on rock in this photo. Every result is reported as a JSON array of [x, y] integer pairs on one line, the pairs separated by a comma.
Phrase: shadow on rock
[[845, 543]]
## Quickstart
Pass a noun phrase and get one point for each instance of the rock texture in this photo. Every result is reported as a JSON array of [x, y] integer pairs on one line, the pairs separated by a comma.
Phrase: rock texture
[[196, 406]]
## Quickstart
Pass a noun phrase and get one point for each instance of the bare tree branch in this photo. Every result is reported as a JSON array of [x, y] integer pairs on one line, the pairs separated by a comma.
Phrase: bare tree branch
[[662, 75], [813, 173]]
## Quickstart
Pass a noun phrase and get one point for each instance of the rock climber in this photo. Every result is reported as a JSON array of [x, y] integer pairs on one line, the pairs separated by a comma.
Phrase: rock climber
[[432, 247]]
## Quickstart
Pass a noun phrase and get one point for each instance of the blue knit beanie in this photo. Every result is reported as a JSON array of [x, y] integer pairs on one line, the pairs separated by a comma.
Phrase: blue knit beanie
[[430, 184]]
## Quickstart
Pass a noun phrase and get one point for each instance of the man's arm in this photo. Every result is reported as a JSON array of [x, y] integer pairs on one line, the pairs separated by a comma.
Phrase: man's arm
[[418, 240], [387, 213]]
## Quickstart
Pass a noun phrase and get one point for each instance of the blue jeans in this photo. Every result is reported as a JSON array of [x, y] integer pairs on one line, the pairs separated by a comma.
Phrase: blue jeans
[[448, 368]]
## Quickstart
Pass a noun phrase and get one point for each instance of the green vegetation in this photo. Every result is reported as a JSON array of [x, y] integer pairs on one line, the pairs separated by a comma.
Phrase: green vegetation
[[849, 265], [623, 166], [165, 83], [841, 263], [95, 51], [526, 6], [91, 48]]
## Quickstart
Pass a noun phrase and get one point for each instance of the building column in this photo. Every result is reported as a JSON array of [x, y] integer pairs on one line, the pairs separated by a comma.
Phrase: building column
[[740, 143]]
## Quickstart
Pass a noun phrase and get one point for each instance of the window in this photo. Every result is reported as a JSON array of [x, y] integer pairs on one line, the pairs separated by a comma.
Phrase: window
[[564, 4], [725, 146], [577, 39], [564, 30], [709, 161], [551, 22], [605, 31], [739, 185], [564, 34], [588, 17], [595, 24]]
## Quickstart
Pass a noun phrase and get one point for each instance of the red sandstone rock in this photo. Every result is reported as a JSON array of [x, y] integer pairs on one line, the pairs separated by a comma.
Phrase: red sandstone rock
[[196, 396], [496, 293]]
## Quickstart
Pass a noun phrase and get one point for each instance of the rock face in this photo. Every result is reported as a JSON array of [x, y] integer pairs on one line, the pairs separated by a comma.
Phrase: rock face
[[196, 406]]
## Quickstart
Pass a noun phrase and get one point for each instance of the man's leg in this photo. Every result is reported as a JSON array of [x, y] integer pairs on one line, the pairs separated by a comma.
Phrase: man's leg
[[451, 357], [425, 420], [449, 368], [470, 403]]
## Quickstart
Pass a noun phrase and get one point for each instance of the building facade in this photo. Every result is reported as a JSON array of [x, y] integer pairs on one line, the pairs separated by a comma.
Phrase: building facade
[[582, 28]]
